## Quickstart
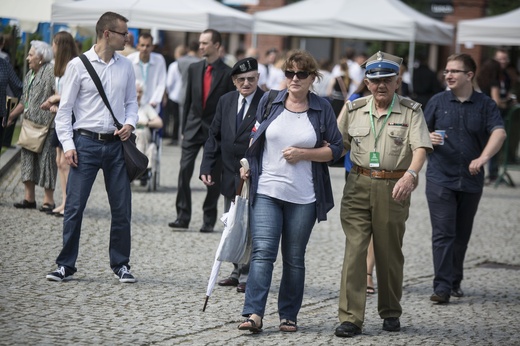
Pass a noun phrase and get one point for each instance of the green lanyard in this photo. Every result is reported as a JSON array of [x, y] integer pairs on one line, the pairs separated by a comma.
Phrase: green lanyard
[[384, 123], [144, 70], [31, 78]]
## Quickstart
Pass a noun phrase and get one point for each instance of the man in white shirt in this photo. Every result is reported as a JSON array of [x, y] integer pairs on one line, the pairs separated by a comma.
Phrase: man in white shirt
[[150, 69], [92, 142]]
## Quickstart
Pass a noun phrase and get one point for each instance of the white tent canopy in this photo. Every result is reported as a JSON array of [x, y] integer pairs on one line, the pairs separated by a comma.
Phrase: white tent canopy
[[385, 20], [498, 30], [28, 12], [174, 15]]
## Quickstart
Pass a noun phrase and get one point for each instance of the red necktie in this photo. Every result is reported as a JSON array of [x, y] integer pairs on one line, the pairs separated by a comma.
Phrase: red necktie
[[207, 85]]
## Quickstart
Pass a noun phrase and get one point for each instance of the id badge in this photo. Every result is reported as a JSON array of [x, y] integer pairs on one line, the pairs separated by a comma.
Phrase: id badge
[[374, 159]]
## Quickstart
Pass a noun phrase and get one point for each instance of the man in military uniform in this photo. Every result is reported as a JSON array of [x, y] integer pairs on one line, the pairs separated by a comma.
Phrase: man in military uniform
[[388, 139]]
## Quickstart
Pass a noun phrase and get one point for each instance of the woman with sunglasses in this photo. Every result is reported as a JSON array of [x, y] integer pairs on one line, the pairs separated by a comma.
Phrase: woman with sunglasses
[[290, 187]]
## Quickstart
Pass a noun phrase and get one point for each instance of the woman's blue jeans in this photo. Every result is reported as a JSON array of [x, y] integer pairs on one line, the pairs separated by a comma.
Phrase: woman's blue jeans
[[270, 220]]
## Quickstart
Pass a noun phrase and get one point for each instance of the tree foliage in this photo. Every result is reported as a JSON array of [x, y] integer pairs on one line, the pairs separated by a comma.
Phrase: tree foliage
[[494, 7]]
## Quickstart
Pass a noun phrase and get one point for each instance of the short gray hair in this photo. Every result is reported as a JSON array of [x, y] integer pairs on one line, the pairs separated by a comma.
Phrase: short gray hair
[[43, 49]]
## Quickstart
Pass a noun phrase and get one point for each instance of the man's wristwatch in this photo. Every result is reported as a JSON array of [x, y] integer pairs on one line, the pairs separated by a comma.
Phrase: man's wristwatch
[[413, 173]]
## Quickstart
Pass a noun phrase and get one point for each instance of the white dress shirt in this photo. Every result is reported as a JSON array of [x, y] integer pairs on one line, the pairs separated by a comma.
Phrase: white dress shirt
[[174, 82], [80, 95], [153, 77], [249, 99]]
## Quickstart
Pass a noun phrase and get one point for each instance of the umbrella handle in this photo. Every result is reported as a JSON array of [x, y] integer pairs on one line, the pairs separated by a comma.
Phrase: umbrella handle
[[205, 304], [245, 164]]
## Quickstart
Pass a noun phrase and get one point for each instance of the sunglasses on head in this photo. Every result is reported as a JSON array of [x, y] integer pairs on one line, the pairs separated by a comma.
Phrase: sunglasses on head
[[299, 74]]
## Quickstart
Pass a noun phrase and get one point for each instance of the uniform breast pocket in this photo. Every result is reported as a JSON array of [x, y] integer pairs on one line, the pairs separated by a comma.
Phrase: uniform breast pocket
[[396, 141], [360, 139]]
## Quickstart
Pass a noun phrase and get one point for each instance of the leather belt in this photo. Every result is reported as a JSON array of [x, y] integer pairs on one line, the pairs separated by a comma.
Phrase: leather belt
[[107, 137], [378, 173]]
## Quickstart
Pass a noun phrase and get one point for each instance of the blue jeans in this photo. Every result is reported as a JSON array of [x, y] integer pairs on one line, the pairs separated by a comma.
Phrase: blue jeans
[[270, 220], [92, 156]]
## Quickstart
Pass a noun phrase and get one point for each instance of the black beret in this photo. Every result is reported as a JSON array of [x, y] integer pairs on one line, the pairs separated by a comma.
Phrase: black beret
[[245, 65]]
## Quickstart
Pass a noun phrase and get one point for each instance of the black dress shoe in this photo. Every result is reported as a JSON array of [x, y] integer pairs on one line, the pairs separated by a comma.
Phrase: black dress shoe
[[457, 292], [228, 282], [179, 224], [206, 228], [241, 288], [347, 330], [441, 298], [25, 204], [392, 324]]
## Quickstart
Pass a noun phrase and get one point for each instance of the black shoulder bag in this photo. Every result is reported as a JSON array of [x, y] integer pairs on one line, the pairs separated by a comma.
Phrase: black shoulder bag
[[136, 162]]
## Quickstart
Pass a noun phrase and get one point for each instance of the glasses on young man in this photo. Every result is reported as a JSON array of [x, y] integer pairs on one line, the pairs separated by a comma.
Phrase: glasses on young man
[[124, 34], [241, 80], [446, 72], [300, 74]]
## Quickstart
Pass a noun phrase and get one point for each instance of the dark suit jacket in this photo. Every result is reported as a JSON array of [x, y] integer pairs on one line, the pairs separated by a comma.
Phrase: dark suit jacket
[[226, 141], [196, 121]]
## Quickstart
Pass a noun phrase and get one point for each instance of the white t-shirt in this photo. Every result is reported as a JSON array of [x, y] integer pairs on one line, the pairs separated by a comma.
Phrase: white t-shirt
[[280, 179]]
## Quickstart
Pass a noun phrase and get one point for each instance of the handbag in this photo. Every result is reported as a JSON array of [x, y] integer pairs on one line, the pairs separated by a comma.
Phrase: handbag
[[136, 162], [32, 135]]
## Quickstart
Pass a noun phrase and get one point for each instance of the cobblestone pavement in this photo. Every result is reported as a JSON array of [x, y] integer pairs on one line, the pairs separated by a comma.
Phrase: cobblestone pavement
[[164, 306]]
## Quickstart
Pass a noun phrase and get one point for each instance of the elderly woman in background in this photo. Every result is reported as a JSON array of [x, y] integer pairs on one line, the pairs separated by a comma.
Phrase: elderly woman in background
[[290, 188], [37, 168], [65, 49]]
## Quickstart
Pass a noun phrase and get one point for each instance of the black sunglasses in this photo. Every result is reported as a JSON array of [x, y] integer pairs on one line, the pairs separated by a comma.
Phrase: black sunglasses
[[299, 74]]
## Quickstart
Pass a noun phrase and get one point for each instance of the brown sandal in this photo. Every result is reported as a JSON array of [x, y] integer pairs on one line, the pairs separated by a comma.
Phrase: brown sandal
[[370, 289], [252, 327], [288, 326]]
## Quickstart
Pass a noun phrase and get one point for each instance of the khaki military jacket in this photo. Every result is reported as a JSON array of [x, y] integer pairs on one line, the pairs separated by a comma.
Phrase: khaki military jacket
[[404, 131]]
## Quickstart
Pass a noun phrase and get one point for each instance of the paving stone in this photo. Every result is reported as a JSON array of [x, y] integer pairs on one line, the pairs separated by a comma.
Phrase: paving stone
[[172, 268]]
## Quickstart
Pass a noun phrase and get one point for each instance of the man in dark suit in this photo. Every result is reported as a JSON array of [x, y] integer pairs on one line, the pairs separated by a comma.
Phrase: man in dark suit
[[207, 81], [229, 138]]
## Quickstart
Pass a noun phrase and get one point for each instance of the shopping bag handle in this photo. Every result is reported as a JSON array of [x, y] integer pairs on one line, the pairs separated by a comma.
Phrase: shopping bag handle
[[244, 163]]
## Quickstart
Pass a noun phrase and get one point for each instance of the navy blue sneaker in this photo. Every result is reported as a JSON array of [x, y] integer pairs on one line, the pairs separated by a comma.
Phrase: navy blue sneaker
[[59, 274], [123, 274]]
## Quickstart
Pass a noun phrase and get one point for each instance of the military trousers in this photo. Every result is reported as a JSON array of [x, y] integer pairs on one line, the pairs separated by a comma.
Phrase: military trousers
[[367, 209]]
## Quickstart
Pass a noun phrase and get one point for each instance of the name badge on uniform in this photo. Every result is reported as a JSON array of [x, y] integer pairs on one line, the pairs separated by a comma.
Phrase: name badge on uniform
[[374, 159]]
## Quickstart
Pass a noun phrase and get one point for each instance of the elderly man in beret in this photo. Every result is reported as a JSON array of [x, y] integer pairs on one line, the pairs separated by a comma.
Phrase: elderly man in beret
[[229, 138], [388, 139]]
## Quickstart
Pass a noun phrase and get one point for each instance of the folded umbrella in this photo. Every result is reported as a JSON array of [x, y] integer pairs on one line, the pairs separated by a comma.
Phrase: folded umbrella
[[235, 243]]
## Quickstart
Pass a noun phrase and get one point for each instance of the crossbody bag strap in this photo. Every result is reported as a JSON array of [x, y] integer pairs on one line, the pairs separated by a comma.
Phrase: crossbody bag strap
[[343, 87], [99, 86], [270, 98]]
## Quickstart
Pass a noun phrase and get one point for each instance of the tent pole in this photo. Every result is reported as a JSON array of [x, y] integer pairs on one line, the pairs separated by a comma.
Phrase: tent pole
[[254, 40], [411, 60]]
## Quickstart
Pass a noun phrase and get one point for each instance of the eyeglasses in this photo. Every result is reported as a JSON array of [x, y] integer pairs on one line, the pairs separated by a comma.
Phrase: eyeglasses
[[299, 74], [241, 80], [124, 34], [445, 72]]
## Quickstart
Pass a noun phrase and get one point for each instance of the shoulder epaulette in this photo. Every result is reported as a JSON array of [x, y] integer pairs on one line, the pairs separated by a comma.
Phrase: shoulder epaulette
[[410, 104], [358, 103]]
